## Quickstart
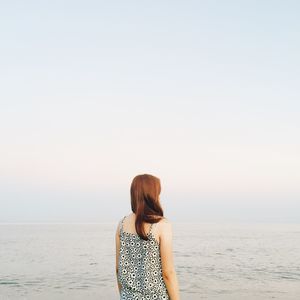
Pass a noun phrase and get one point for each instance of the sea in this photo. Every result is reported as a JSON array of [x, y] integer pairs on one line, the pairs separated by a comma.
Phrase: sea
[[213, 261]]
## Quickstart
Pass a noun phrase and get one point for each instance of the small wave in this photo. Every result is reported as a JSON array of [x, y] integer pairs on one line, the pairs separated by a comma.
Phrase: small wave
[[288, 275], [9, 282]]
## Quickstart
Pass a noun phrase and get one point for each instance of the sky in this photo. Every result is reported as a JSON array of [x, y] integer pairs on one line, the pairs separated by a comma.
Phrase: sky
[[202, 94]]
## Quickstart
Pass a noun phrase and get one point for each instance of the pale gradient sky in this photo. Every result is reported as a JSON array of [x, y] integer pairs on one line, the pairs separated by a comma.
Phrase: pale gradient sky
[[203, 94]]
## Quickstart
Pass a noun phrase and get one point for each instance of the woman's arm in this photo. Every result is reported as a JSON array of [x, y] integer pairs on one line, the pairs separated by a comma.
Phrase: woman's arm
[[117, 239], [166, 252]]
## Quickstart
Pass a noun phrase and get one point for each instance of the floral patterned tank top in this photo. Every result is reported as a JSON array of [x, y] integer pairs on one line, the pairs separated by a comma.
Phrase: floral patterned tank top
[[139, 265]]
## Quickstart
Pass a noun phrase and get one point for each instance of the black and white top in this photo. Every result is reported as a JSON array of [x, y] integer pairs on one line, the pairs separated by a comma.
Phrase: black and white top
[[139, 267]]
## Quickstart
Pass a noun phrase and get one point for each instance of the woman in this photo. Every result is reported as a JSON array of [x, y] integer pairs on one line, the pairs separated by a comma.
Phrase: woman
[[144, 256]]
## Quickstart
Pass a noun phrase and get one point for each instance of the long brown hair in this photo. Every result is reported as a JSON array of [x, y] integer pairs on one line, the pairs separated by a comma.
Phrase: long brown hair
[[144, 192]]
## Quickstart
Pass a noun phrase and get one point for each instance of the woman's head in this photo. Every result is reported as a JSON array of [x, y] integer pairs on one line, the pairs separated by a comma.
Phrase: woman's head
[[144, 191]]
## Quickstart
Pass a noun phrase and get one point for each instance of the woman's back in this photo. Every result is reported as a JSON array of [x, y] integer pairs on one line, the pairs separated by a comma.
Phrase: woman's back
[[139, 265], [144, 254]]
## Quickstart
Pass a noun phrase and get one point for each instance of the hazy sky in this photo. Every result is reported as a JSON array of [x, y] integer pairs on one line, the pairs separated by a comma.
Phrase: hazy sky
[[203, 94]]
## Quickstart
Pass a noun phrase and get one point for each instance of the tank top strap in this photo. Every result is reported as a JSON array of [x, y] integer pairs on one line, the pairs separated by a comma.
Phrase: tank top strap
[[151, 228], [122, 222]]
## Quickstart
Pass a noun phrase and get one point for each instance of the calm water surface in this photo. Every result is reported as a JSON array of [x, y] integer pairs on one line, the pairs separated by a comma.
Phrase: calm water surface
[[213, 261]]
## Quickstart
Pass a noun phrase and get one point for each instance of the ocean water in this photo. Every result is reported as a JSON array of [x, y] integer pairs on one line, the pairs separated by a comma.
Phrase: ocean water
[[213, 261]]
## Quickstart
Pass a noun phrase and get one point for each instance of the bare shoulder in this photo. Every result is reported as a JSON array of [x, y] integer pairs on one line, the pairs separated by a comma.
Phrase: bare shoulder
[[165, 226], [165, 220]]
